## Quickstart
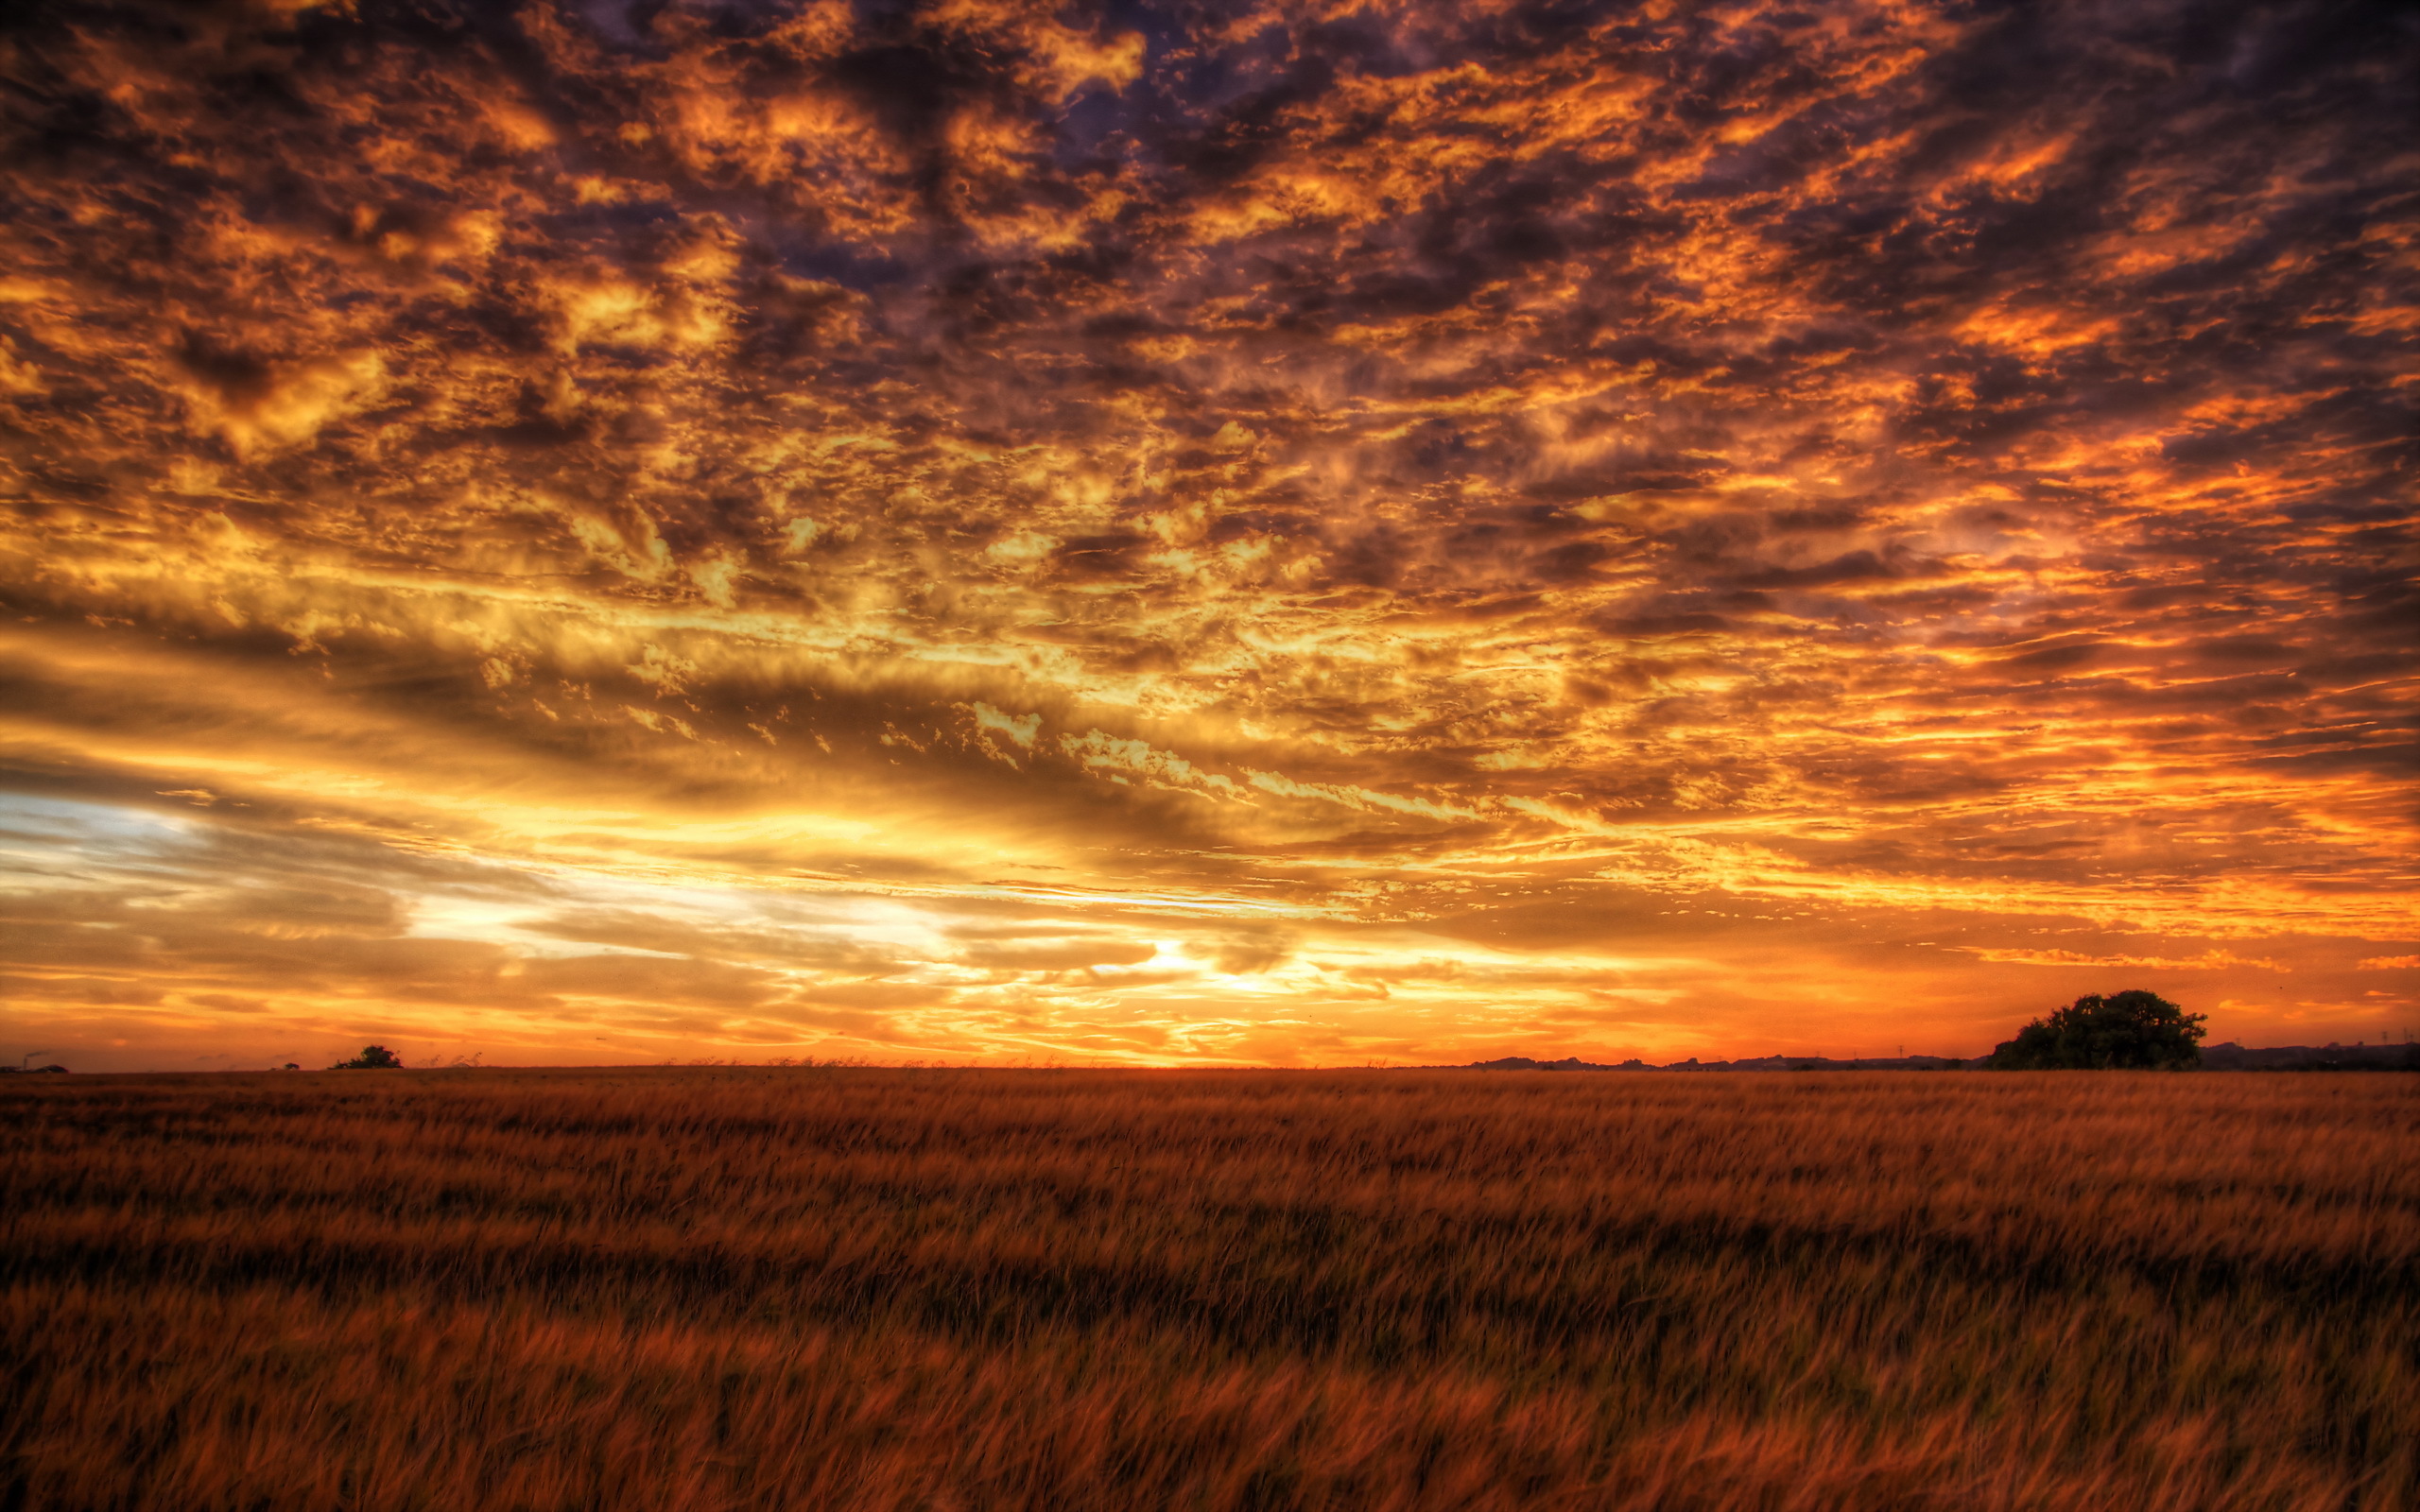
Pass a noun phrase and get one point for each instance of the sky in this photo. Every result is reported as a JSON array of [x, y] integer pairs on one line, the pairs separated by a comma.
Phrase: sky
[[1262, 533]]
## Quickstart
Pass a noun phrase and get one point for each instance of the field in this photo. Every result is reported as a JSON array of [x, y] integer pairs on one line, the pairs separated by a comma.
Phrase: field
[[860, 1289]]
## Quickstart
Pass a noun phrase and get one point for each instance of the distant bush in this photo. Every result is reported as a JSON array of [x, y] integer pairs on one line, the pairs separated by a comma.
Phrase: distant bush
[[373, 1058], [2096, 1033]]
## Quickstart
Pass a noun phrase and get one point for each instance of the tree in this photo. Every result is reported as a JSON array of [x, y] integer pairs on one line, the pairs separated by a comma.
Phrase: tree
[[373, 1058], [2132, 1029]]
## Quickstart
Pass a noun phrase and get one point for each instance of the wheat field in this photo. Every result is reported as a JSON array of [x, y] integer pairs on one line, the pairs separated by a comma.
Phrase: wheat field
[[874, 1289]]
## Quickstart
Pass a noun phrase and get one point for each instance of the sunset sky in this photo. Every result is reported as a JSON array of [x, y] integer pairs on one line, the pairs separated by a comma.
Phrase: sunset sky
[[1257, 533]]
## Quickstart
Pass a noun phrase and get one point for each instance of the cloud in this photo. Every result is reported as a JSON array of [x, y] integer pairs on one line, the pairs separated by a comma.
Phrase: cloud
[[2208, 961], [755, 487]]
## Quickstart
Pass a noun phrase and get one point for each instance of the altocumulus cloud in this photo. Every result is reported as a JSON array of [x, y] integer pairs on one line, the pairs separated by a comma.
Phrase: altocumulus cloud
[[1166, 532]]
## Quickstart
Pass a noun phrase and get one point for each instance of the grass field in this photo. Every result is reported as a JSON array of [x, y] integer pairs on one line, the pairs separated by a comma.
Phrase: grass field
[[846, 1289]]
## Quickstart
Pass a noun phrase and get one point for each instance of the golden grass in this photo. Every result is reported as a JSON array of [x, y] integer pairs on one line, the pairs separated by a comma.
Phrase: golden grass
[[872, 1289]]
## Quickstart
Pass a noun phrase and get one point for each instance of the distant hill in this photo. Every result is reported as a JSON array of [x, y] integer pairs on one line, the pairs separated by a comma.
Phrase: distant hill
[[1766, 1063], [2228, 1057], [2233, 1056]]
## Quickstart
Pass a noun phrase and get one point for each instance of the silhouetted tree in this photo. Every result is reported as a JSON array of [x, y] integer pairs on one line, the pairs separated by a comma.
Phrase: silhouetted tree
[[2132, 1029], [373, 1058]]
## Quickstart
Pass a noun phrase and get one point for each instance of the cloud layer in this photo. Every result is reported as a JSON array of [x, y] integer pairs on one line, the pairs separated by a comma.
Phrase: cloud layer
[[1171, 532]]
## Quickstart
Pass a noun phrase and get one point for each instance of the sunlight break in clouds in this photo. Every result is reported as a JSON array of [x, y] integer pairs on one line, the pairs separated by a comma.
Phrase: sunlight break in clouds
[[1161, 533]]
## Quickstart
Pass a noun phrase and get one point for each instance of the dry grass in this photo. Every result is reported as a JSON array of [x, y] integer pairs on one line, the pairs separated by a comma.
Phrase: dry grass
[[853, 1289]]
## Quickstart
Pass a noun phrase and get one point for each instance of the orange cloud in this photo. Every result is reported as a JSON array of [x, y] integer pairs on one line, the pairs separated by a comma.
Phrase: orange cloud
[[1406, 534]]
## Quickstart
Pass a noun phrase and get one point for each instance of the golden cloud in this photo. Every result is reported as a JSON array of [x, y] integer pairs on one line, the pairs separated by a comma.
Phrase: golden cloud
[[1414, 534]]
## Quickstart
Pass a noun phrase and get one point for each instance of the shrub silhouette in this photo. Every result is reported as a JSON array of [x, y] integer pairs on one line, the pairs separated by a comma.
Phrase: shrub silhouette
[[373, 1058], [2132, 1029]]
